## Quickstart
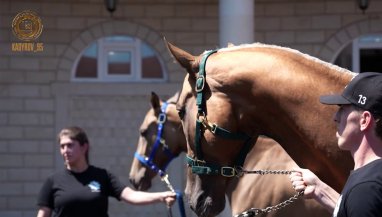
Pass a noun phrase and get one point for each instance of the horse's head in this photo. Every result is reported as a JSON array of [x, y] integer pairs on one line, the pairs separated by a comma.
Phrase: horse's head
[[251, 90], [161, 139], [208, 119]]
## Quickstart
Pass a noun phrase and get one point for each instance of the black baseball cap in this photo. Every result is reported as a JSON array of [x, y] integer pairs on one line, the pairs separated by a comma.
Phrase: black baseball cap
[[363, 91]]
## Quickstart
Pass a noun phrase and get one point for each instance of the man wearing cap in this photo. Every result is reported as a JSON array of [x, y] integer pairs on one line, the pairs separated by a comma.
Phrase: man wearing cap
[[359, 131]]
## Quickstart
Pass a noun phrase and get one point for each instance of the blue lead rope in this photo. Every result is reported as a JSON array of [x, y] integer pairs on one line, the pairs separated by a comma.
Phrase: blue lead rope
[[179, 198]]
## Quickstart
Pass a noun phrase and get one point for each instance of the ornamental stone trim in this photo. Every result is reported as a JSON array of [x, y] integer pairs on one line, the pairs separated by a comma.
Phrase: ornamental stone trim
[[108, 28], [346, 35]]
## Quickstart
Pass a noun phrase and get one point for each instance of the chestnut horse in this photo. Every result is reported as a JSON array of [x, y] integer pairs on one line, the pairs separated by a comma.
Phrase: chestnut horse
[[266, 154], [157, 146], [253, 90]]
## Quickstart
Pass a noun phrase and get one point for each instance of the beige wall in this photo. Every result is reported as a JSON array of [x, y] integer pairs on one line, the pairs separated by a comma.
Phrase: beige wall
[[37, 97]]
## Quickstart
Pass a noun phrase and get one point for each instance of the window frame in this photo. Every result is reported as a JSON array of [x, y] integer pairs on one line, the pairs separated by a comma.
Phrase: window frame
[[358, 45], [104, 47]]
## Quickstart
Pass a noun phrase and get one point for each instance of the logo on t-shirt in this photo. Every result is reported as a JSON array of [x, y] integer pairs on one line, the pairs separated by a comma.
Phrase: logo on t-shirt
[[94, 186]]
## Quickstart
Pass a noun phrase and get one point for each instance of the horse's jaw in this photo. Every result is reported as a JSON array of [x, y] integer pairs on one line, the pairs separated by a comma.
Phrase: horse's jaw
[[141, 180], [205, 201]]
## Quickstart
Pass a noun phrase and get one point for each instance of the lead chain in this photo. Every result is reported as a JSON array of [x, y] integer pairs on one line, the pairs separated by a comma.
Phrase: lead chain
[[167, 181], [240, 171], [256, 211]]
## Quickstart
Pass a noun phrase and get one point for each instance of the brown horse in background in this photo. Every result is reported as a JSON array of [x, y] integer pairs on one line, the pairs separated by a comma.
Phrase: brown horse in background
[[265, 190], [172, 141], [257, 90]]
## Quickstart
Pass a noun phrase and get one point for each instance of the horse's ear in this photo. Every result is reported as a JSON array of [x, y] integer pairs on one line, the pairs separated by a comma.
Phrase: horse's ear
[[155, 102], [185, 59]]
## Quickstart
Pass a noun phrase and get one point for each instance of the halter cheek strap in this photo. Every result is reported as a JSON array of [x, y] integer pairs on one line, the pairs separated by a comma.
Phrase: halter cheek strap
[[198, 165], [201, 102]]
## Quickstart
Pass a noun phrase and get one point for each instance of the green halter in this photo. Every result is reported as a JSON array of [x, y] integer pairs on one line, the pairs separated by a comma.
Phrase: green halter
[[198, 165]]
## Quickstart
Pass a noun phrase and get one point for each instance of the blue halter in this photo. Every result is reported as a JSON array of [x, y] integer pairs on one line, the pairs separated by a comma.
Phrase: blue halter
[[148, 161]]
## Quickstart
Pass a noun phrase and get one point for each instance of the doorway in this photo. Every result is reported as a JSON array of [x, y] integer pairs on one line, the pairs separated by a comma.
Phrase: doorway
[[364, 54]]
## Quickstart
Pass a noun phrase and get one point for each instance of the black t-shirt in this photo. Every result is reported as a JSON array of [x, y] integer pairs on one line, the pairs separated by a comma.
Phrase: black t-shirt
[[362, 194], [71, 194]]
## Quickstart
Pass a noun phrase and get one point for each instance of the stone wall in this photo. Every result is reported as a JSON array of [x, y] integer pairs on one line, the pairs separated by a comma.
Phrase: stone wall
[[37, 97]]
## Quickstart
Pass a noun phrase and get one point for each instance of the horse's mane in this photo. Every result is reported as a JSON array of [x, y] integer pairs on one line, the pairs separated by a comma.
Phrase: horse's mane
[[231, 47]]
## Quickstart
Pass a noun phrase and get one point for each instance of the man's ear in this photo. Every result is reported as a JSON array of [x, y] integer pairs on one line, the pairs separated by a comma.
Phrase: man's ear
[[365, 120]]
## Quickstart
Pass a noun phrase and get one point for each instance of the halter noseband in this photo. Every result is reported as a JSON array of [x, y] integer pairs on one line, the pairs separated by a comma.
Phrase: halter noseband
[[198, 165], [148, 161]]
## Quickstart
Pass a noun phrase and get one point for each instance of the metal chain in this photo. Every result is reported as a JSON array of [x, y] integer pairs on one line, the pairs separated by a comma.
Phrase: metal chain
[[167, 181], [240, 172], [256, 211]]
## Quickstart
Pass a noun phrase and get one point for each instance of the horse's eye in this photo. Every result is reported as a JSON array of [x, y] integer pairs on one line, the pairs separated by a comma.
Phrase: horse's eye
[[181, 113]]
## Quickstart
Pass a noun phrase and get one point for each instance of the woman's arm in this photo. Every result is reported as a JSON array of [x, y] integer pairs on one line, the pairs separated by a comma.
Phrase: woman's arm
[[44, 212], [304, 179], [141, 198]]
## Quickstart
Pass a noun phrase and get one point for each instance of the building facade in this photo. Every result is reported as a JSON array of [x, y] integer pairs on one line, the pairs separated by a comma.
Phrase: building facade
[[42, 89]]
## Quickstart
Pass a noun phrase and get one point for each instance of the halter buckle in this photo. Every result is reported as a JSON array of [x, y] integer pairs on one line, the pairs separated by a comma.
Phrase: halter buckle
[[227, 171], [200, 81], [213, 128], [161, 118], [199, 162]]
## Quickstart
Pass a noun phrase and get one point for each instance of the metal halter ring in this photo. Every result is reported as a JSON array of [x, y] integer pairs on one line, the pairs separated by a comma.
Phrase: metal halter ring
[[200, 82], [161, 118], [231, 170]]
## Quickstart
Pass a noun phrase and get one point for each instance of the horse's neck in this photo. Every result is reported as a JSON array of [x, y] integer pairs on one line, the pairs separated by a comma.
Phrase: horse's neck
[[294, 107], [284, 104], [284, 99]]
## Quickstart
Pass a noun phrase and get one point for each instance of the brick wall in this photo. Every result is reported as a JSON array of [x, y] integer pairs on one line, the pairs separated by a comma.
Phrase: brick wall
[[37, 97]]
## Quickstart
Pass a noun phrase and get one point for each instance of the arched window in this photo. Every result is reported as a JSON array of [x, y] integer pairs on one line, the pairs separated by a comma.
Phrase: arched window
[[119, 58]]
